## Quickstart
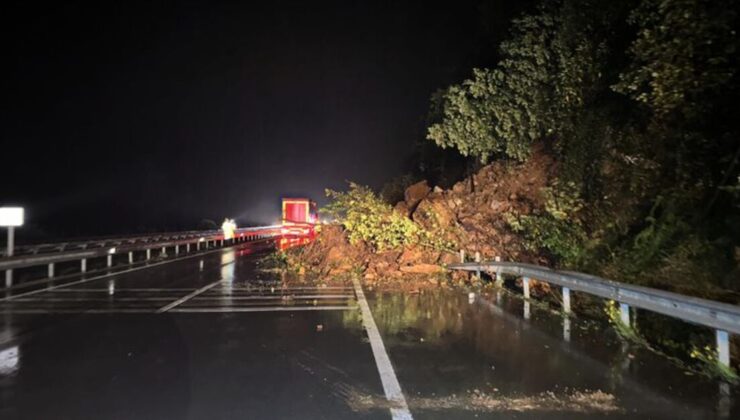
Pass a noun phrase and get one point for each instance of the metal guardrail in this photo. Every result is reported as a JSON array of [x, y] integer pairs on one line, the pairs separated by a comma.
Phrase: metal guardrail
[[50, 254], [720, 316], [109, 241]]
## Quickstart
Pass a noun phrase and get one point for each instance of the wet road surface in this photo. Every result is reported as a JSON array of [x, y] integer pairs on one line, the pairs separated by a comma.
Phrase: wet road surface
[[214, 337], [484, 358]]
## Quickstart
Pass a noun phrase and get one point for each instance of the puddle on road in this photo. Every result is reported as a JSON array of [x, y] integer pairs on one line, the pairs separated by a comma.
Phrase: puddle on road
[[461, 359]]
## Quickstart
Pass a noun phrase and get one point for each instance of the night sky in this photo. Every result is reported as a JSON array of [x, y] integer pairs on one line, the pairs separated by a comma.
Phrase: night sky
[[126, 118]]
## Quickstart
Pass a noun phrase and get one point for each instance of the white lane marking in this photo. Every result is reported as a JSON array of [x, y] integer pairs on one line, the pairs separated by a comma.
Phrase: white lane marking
[[79, 311], [211, 296], [33, 292], [180, 310], [88, 299], [187, 297], [106, 290], [279, 287], [391, 387], [265, 309], [200, 298]]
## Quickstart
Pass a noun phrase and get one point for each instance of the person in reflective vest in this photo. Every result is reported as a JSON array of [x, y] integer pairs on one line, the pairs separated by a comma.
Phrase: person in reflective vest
[[228, 227]]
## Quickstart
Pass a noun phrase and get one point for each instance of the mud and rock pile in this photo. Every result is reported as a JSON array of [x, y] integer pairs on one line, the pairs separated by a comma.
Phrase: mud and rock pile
[[472, 214]]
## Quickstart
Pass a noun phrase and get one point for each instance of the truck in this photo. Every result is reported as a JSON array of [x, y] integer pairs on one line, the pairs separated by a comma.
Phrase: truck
[[299, 211], [300, 222]]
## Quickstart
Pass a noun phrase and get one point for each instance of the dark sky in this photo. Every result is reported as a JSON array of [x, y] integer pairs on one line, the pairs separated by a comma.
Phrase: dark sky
[[154, 116]]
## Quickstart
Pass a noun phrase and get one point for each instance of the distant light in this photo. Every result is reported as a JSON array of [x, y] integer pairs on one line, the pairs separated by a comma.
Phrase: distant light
[[112, 251], [201, 239], [11, 216]]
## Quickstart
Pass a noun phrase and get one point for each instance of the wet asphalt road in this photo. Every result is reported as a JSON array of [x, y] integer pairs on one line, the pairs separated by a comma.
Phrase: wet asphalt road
[[213, 337], [98, 350]]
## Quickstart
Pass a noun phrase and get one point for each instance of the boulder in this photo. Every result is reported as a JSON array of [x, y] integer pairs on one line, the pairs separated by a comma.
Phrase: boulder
[[422, 269], [498, 206], [410, 256], [460, 187], [448, 258], [415, 193], [403, 209], [433, 213]]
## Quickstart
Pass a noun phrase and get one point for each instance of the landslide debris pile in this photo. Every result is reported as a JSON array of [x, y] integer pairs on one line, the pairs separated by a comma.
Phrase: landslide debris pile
[[472, 215]]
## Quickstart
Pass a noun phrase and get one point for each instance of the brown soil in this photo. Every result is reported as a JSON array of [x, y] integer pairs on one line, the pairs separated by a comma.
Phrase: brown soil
[[471, 214]]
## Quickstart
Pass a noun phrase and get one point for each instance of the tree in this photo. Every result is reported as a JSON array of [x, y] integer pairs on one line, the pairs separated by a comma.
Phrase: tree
[[636, 101]]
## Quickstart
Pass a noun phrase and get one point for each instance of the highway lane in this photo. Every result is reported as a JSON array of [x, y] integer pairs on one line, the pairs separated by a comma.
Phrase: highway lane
[[215, 337], [117, 347]]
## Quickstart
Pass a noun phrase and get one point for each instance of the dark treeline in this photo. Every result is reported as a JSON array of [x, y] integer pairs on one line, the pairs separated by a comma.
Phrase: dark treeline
[[636, 100]]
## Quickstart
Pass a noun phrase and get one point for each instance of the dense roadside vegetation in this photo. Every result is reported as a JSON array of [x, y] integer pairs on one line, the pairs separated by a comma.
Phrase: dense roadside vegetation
[[636, 101], [611, 144]]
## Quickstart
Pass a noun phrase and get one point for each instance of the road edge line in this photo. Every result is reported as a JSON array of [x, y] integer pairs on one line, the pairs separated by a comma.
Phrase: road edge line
[[391, 387]]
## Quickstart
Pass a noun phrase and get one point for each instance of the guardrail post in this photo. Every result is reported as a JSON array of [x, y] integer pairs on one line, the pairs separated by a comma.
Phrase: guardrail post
[[187, 247], [131, 257], [566, 300], [110, 260], [525, 286], [566, 328], [164, 251], [477, 259], [9, 253], [148, 253], [83, 265], [222, 242], [50, 270], [624, 313], [723, 347], [462, 256], [499, 277], [526, 310]]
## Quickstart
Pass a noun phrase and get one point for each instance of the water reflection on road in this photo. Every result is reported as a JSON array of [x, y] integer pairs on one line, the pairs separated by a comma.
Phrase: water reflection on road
[[499, 356]]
